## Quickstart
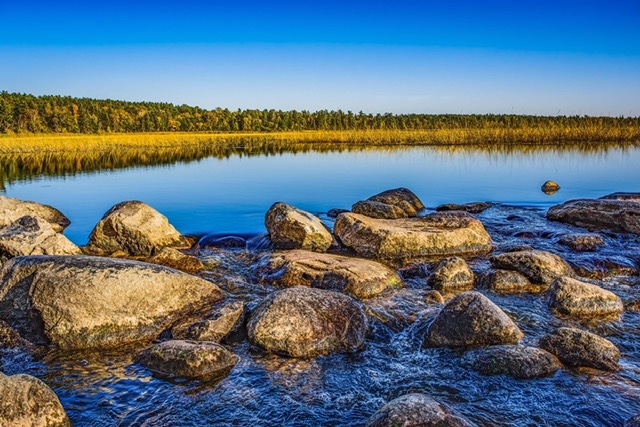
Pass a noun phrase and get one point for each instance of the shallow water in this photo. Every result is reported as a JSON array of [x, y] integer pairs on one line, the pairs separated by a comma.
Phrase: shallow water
[[223, 196]]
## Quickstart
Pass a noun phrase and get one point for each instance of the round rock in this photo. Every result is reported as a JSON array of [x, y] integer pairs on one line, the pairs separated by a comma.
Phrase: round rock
[[416, 410], [576, 347], [537, 266], [306, 322], [12, 209], [579, 299], [452, 273], [550, 187], [293, 228], [582, 242], [517, 361]]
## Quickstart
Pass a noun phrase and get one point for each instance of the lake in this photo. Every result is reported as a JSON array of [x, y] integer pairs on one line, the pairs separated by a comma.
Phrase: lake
[[230, 194]]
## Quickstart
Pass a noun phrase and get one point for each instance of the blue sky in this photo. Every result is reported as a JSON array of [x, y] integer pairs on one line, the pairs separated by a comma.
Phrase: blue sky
[[523, 57]]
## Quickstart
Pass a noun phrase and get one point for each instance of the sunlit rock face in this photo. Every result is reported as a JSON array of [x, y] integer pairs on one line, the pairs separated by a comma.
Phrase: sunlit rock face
[[576, 347], [12, 209], [416, 409], [390, 204], [293, 228]]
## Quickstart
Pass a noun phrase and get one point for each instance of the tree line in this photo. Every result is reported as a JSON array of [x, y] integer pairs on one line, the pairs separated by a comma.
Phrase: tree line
[[23, 113]]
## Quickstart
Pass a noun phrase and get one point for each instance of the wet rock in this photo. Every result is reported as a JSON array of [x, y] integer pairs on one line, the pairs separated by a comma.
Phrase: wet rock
[[599, 268], [228, 242], [293, 228], [134, 228], [333, 213], [416, 410], [452, 273], [78, 301], [537, 266], [434, 297], [579, 299], [307, 322], [575, 347], [550, 187], [473, 207], [13, 209], [440, 234], [597, 214], [30, 235], [10, 338], [414, 269], [360, 277], [173, 258], [27, 401], [390, 204], [582, 242], [517, 361], [223, 320], [187, 359], [629, 197], [471, 319], [510, 282]]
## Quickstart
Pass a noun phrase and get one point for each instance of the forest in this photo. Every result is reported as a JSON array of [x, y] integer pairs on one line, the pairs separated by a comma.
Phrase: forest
[[23, 113]]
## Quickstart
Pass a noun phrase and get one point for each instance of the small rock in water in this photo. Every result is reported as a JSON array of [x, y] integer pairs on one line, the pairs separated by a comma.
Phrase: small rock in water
[[390, 204], [582, 242], [224, 319], [293, 228], [550, 187], [222, 242], [510, 282], [452, 273], [333, 213], [576, 347], [473, 207], [580, 299], [517, 361], [416, 410], [537, 266]]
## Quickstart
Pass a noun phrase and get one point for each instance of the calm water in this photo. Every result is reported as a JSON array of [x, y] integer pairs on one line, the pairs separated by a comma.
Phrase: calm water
[[231, 196]]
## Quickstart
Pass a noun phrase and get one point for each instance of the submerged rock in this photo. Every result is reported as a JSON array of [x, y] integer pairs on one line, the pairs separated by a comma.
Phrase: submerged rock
[[579, 299], [452, 273], [510, 282], [416, 410], [597, 214], [471, 319], [27, 401], [228, 242], [82, 301], [537, 266], [473, 207], [187, 359], [134, 228], [223, 320], [550, 187], [31, 235], [13, 209], [307, 322], [390, 204], [360, 277], [517, 361], [173, 258], [440, 234], [293, 228], [582, 242], [576, 347]]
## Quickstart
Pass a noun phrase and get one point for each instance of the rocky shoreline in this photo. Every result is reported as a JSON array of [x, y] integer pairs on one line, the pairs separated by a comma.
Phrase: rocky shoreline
[[139, 282]]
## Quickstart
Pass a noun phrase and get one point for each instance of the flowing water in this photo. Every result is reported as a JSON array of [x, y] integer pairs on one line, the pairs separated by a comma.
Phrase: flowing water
[[223, 196]]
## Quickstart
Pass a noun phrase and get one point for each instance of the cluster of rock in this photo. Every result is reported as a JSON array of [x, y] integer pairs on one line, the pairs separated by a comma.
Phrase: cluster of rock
[[133, 283]]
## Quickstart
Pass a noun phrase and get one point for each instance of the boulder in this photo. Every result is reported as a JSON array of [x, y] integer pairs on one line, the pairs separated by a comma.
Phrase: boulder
[[293, 228], [517, 361], [537, 266], [471, 319], [630, 197], [579, 299], [134, 228], [27, 401], [576, 347], [78, 301], [12, 209], [582, 242], [510, 282], [550, 187], [173, 258], [452, 273], [597, 214], [187, 359], [390, 204], [473, 207], [360, 277], [30, 235], [436, 235], [222, 321], [416, 410], [307, 322]]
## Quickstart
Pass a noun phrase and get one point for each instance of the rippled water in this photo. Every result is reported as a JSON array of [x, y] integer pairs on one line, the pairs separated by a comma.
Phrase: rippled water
[[346, 389]]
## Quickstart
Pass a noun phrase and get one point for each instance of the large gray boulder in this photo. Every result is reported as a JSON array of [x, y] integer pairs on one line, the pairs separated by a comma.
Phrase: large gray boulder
[[416, 410], [187, 359], [390, 204], [451, 274], [576, 347], [82, 302], [584, 300], [12, 209], [471, 319], [26, 401], [517, 361], [359, 277], [615, 214], [135, 228], [437, 235], [307, 322], [293, 228], [30, 235], [537, 266]]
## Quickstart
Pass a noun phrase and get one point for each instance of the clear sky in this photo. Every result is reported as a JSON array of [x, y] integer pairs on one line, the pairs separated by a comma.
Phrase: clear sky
[[516, 56]]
